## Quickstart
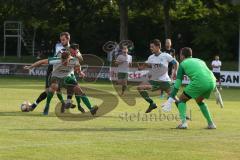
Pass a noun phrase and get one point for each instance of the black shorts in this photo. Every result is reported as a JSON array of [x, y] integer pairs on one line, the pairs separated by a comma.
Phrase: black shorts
[[217, 75], [189, 97], [48, 76]]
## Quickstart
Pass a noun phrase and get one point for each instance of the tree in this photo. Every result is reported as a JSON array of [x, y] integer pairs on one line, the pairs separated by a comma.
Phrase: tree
[[123, 10], [167, 24]]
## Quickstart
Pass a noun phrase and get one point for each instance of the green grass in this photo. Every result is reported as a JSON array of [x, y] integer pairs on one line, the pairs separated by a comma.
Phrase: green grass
[[30, 136]]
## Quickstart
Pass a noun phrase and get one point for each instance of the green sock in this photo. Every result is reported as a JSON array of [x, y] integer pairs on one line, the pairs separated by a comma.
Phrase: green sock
[[86, 102], [145, 95], [60, 97], [78, 99], [205, 112], [182, 111], [49, 97]]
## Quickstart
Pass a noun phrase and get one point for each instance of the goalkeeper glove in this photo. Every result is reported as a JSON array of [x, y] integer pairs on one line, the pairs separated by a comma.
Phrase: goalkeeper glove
[[167, 106]]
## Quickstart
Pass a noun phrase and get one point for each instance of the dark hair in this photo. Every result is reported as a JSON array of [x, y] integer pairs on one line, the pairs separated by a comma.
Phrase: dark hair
[[124, 46], [186, 52], [74, 46], [156, 42], [65, 54], [66, 34]]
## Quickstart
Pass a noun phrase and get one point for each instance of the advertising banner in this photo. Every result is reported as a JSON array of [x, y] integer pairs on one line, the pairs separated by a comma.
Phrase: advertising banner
[[228, 78]]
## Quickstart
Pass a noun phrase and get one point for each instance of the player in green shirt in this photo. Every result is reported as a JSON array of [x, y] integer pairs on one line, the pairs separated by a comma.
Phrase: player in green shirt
[[202, 83]]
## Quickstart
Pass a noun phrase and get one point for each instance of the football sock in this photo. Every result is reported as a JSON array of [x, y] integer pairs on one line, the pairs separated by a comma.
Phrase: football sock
[[49, 98], [182, 111], [41, 97], [78, 99], [204, 109], [60, 97], [86, 101], [33, 106], [145, 95]]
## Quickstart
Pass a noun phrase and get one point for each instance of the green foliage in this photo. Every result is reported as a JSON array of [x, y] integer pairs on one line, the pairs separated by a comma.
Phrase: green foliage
[[208, 26]]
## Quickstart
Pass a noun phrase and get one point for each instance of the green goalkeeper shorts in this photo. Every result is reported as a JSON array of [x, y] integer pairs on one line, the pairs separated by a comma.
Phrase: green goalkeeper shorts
[[196, 90], [160, 85]]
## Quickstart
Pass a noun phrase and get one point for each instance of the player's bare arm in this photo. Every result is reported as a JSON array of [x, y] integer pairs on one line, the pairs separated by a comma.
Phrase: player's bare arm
[[143, 65], [119, 62], [79, 56], [37, 64], [78, 70], [175, 69]]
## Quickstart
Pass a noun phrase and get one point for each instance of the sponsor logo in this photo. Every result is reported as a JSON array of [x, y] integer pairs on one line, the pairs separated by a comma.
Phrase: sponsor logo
[[37, 72], [4, 71]]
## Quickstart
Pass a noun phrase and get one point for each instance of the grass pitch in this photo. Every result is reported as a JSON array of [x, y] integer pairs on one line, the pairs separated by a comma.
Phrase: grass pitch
[[114, 135]]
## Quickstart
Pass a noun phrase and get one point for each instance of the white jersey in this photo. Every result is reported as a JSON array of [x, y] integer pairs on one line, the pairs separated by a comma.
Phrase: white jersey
[[124, 67], [217, 64], [58, 49], [160, 66], [61, 71]]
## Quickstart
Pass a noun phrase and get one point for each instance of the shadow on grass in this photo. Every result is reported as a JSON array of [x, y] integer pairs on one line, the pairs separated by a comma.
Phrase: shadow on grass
[[24, 114], [39, 114], [83, 129]]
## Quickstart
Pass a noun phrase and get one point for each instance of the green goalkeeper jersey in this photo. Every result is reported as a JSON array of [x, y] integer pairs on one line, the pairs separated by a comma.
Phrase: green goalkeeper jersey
[[199, 74]]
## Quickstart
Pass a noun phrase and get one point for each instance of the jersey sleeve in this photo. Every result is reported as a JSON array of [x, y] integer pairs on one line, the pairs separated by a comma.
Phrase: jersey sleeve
[[118, 58], [169, 58], [57, 49], [173, 53], [130, 59], [148, 60], [54, 60]]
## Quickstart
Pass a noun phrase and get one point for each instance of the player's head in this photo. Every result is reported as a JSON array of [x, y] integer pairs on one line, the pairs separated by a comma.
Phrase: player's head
[[216, 57], [168, 43], [155, 46], [185, 52], [74, 48], [124, 49], [65, 56], [65, 38]]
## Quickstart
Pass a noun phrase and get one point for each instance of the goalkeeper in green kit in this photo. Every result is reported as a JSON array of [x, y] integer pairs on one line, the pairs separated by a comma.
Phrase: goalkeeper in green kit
[[202, 83]]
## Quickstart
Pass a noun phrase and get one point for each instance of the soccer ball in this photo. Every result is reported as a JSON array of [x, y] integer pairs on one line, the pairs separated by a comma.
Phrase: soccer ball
[[25, 106]]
